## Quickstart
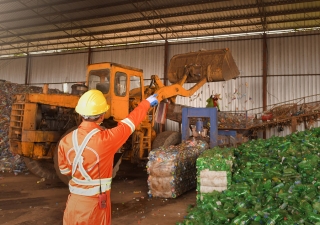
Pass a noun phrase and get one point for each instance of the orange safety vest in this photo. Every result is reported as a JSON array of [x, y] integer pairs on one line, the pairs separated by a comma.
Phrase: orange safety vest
[[87, 154]]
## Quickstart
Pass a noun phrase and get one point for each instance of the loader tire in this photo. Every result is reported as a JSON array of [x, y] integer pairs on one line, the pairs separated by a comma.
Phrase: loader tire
[[166, 139], [40, 168], [117, 159], [65, 179]]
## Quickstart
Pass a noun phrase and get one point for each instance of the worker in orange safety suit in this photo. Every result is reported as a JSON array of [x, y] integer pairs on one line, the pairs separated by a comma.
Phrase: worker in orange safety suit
[[87, 155]]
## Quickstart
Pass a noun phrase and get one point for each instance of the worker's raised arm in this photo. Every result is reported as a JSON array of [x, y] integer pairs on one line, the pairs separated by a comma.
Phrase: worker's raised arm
[[140, 112], [127, 126]]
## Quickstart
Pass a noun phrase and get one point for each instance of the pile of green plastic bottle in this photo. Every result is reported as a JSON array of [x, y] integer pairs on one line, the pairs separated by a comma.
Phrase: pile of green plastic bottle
[[274, 181]]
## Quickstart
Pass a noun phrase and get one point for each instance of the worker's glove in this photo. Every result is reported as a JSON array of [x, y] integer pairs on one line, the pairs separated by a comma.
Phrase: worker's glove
[[153, 100]]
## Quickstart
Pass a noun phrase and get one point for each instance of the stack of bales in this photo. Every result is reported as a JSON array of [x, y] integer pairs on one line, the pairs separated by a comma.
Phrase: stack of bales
[[172, 170]]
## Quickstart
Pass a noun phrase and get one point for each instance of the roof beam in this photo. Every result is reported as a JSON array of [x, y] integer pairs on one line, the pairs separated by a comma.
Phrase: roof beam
[[150, 22], [201, 21], [64, 2], [167, 32], [262, 11], [108, 5], [198, 2], [57, 28], [55, 47]]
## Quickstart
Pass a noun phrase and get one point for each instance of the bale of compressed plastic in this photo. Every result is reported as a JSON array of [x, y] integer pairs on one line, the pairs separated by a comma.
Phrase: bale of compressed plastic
[[172, 170], [214, 171]]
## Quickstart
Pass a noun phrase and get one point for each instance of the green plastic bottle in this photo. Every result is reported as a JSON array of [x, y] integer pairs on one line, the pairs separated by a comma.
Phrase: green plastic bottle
[[267, 185], [256, 217], [316, 206], [273, 218], [305, 207], [312, 217], [240, 206], [242, 219], [310, 196], [283, 205], [278, 187], [219, 217], [228, 206]]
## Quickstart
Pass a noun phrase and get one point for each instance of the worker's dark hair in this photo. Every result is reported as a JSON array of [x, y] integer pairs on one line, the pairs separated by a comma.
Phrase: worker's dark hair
[[91, 118]]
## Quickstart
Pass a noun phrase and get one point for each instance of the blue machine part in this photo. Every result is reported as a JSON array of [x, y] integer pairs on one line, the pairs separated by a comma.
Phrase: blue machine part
[[199, 125], [232, 133], [210, 113]]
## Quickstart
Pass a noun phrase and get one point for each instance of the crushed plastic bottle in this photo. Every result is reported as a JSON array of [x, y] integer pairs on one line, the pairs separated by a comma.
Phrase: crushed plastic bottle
[[41, 180]]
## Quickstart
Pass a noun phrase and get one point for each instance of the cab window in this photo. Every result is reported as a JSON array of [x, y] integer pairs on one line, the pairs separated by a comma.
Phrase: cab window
[[135, 86], [120, 84], [100, 80]]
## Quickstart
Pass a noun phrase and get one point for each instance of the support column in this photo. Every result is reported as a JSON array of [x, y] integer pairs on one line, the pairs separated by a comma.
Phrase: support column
[[293, 124], [26, 77], [165, 75], [89, 56], [165, 69], [264, 75]]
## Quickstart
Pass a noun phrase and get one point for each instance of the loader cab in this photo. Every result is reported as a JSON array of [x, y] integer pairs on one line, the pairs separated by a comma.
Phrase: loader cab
[[121, 85]]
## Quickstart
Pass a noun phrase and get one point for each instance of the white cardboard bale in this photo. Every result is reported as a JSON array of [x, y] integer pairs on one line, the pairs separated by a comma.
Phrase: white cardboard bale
[[210, 174], [209, 189], [213, 180]]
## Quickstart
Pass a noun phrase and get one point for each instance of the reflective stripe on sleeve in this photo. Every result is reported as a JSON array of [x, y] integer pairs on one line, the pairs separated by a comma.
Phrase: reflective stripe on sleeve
[[65, 171], [129, 123]]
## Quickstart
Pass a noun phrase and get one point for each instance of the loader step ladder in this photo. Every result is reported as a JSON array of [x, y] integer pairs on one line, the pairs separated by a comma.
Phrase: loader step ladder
[[146, 143], [16, 120], [141, 144]]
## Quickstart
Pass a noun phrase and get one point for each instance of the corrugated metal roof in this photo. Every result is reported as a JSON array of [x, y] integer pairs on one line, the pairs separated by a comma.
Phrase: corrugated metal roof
[[30, 26]]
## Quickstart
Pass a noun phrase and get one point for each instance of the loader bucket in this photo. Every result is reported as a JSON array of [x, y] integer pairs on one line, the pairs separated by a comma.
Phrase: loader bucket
[[215, 65]]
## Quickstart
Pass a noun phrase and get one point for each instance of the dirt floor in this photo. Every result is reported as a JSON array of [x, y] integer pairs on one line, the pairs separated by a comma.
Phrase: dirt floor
[[26, 200]]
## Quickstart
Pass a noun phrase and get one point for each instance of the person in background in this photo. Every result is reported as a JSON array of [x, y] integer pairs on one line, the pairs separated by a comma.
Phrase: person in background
[[212, 101], [87, 153]]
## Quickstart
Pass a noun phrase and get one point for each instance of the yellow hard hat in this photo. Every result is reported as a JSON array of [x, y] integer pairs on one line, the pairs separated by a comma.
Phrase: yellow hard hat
[[92, 103]]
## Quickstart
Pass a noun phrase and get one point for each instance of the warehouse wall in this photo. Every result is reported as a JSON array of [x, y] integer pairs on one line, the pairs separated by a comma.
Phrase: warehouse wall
[[148, 58], [293, 72], [56, 69], [294, 62], [13, 70]]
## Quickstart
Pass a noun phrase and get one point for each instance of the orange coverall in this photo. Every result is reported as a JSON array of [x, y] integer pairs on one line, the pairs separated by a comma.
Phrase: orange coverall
[[93, 166]]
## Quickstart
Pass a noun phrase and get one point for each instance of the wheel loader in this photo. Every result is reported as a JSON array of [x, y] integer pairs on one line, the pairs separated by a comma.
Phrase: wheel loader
[[39, 120]]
